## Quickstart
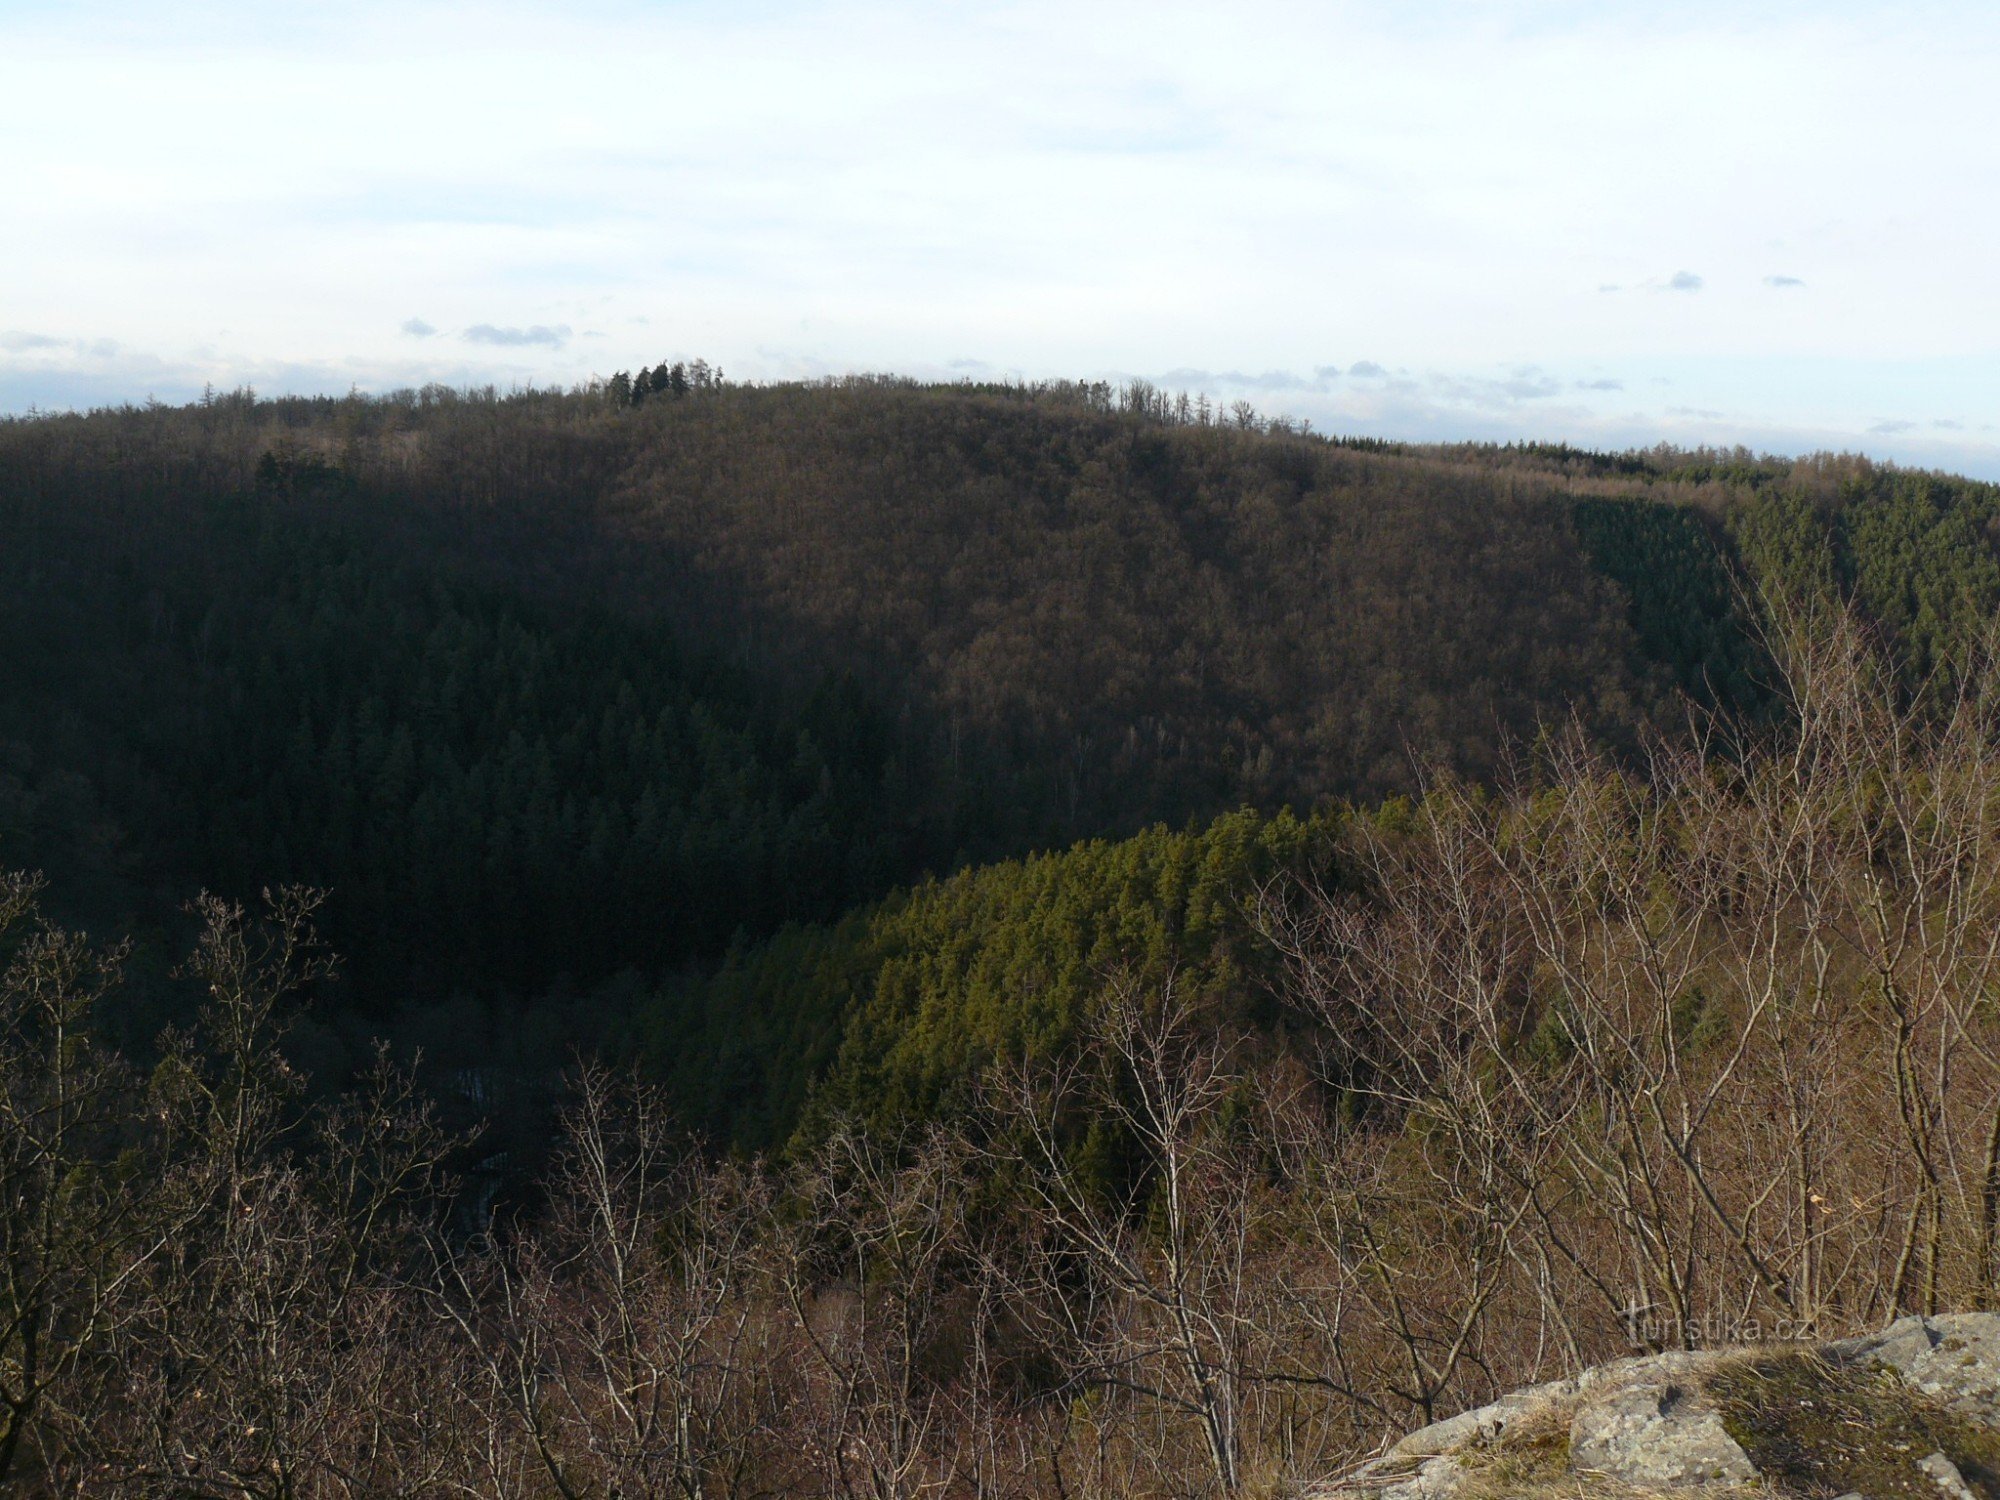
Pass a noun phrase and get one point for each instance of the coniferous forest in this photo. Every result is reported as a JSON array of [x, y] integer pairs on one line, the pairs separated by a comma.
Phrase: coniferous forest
[[865, 938]]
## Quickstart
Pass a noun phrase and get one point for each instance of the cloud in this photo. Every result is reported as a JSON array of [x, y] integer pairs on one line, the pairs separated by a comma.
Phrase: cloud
[[1530, 385], [930, 180], [1279, 391], [1521, 401], [1269, 381], [16, 342], [1685, 281], [514, 338], [1891, 428], [1525, 384], [119, 374], [1948, 425], [1609, 286], [1783, 281], [1324, 393], [417, 328]]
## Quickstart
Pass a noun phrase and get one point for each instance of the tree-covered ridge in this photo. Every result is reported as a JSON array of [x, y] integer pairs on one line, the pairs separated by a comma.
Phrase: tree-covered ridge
[[500, 793], [480, 760], [554, 685], [895, 1015], [1662, 1053], [1916, 552], [1682, 593], [1109, 619], [566, 696]]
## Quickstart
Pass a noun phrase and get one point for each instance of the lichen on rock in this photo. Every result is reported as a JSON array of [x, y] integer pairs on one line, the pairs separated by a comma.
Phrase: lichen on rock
[[1657, 1433], [1911, 1413]]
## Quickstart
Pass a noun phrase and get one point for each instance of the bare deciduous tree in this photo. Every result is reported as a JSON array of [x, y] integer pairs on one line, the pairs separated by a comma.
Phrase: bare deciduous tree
[[621, 1337]]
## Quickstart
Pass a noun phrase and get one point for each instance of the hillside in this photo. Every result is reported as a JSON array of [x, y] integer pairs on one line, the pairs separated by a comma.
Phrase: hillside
[[892, 1016], [1202, 1164], [564, 698]]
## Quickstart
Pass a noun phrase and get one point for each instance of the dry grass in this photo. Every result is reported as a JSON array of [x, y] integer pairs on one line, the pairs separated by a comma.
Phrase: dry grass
[[1531, 1458], [1531, 1461]]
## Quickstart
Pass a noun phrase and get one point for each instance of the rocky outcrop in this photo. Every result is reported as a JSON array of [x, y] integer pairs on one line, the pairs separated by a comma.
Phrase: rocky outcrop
[[1911, 1413], [1657, 1433], [1954, 1359]]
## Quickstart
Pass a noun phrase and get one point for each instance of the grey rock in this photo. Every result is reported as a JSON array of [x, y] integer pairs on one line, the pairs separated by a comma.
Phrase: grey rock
[[1954, 1358], [1435, 1479], [1483, 1424], [1945, 1472], [1658, 1434], [1900, 1341], [1643, 1369], [1443, 1437], [1396, 1476], [1646, 1422]]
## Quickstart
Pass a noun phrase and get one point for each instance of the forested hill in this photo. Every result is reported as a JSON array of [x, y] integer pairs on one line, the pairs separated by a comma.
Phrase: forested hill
[[561, 693]]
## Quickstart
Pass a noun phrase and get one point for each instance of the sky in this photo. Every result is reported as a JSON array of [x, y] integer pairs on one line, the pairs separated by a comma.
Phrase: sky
[[1615, 224]]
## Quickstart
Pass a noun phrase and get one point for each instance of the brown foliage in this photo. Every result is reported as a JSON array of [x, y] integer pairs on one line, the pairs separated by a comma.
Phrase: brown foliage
[[1698, 1052]]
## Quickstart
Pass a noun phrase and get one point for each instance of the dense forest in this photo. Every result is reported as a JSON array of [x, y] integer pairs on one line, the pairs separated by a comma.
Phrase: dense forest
[[639, 717], [872, 939], [1193, 1164]]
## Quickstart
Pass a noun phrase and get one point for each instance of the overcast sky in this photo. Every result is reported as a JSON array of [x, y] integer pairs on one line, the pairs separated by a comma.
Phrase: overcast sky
[[1615, 223]]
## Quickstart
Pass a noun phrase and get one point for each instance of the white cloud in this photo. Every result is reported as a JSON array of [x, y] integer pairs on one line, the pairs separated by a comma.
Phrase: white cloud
[[786, 186], [518, 338]]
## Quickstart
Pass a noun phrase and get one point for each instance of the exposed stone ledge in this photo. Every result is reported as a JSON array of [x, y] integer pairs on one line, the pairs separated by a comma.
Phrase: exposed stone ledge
[[1911, 1413]]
